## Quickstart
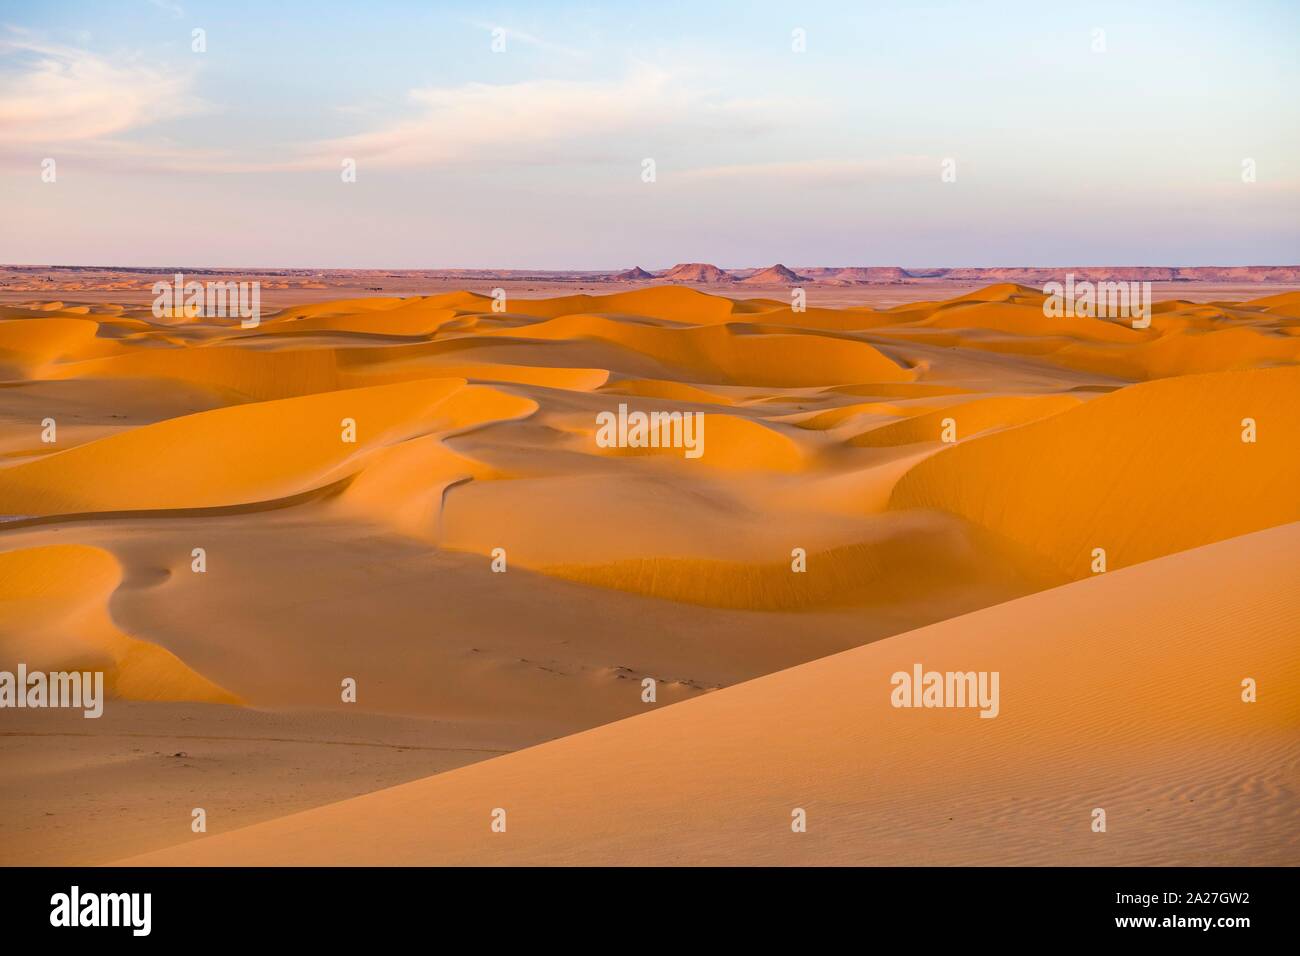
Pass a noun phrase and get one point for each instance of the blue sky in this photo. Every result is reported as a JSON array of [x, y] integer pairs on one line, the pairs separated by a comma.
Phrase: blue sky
[[532, 157]]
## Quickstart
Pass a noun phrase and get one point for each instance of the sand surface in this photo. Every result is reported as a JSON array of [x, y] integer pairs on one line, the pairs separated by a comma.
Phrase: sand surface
[[366, 551], [1119, 693]]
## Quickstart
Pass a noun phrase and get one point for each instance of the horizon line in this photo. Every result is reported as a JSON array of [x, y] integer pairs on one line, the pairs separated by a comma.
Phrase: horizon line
[[615, 270]]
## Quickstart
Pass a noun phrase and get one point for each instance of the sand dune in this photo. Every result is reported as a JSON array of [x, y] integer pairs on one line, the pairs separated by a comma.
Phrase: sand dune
[[56, 618], [729, 354], [244, 454], [903, 560], [969, 419], [1143, 472], [28, 347], [1101, 706], [411, 492], [1184, 338]]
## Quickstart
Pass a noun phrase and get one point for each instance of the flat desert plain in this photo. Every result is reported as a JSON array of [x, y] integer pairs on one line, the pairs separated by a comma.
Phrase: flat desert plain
[[412, 495]]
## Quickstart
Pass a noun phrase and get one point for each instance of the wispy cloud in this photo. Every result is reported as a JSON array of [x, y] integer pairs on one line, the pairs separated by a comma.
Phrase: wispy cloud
[[549, 122], [528, 39], [53, 95], [168, 7], [87, 105]]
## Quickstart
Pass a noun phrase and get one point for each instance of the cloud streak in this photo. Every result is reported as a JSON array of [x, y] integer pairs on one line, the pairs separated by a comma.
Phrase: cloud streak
[[52, 95], [85, 105], [547, 122], [529, 39]]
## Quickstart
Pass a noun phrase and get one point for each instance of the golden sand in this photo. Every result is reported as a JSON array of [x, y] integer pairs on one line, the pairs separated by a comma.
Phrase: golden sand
[[354, 470]]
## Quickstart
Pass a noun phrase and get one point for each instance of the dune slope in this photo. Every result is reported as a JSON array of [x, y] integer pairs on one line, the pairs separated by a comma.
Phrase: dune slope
[[1102, 705], [1146, 471], [245, 453], [54, 603]]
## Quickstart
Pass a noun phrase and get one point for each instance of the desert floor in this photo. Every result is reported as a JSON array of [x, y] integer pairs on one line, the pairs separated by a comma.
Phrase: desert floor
[[824, 436], [286, 288]]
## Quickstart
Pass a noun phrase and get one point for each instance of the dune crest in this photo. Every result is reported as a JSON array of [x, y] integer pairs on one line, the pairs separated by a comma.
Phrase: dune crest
[[246, 454], [1175, 447]]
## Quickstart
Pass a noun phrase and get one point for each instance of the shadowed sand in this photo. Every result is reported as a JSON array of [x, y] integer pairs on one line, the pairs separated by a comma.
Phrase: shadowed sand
[[475, 430], [1121, 693]]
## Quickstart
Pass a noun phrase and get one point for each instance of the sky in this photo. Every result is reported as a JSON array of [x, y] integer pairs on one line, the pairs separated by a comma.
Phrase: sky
[[518, 136]]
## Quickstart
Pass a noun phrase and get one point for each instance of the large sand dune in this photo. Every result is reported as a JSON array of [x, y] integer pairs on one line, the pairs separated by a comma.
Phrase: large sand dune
[[1121, 693], [1142, 472], [56, 618]]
